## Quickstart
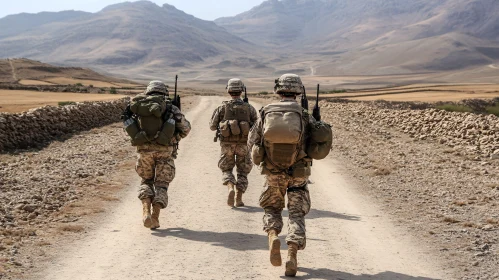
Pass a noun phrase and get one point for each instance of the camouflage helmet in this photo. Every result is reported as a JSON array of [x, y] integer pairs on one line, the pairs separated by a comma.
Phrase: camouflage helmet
[[288, 84], [156, 87], [235, 87]]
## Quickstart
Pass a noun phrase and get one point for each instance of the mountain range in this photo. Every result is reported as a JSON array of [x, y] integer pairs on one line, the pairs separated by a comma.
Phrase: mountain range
[[309, 37]]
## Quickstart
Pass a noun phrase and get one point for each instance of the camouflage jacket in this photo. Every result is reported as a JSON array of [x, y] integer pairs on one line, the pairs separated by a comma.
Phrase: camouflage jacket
[[182, 129]]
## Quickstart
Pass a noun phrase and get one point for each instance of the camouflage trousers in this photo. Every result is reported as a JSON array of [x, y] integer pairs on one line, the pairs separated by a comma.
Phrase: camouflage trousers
[[157, 170], [272, 201], [235, 155]]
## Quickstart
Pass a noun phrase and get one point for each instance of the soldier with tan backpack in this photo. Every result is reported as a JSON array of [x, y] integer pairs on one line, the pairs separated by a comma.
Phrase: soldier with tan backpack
[[284, 142], [232, 121]]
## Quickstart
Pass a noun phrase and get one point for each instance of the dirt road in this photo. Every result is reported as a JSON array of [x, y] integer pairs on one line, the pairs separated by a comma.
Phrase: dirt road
[[201, 238], [14, 74]]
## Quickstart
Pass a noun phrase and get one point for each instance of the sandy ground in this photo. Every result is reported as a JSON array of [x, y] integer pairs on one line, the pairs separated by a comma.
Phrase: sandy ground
[[429, 96], [201, 238], [426, 93], [35, 83], [16, 101]]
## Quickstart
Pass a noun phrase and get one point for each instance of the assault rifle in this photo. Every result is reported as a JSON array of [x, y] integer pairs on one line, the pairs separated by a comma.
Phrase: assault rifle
[[176, 98], [317, 110], [245, 96], [304, 100], [127, 113], [217, 136]]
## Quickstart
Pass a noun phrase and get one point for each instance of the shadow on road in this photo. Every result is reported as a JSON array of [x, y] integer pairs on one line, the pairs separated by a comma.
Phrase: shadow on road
[[314, 213], [317, 214], [249, 209], [324, 273], [230, 240]]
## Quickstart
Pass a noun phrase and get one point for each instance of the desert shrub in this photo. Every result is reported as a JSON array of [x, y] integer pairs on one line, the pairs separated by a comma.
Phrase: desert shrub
[[337, 91], [113, 90], [90, 86], [79, 84], [494, 110], [455, 108], [71, 228], [65, 103], [263, 93]]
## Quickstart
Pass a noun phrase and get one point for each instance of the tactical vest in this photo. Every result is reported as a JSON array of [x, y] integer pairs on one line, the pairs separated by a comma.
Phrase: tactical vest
[[235, 125], [153, 121]]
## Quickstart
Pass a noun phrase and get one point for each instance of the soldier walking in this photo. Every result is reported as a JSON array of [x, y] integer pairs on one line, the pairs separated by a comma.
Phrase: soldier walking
[[284, 141], [232, 121], [155, 127]]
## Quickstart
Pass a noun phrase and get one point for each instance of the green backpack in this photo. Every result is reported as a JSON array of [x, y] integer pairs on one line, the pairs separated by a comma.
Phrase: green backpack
[[152, 122], [320, 141]]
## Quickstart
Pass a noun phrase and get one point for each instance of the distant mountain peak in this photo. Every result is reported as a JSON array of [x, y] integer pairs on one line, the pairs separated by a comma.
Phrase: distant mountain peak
[[132, 4]]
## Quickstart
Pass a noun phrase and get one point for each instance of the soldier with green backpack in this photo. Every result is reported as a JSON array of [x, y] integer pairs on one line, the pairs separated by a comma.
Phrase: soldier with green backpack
[[232, 121], [283, 142], [155, 127]]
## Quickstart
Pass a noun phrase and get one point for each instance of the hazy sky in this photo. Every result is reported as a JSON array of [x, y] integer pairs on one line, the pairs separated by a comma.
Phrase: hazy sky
[[204, 9]]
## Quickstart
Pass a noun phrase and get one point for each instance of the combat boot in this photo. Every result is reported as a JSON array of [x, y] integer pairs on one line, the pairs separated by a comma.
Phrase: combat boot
[[156, 208], [292, 263], [239, 198], [274, 248], [146, 212], [230, 199]]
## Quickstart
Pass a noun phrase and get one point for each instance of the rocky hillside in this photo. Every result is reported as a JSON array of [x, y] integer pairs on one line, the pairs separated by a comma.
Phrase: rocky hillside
[[377, 36], [132, 34]]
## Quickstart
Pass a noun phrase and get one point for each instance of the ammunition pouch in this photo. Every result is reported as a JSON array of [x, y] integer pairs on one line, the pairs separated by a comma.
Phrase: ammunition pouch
[[131, 127], [245, 128], [320, 142], [166, 134], [225, 129], [234, 127], [140, 139], [257, 154]]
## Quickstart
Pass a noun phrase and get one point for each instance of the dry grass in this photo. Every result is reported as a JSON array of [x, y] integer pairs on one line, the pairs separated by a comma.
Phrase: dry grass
[[451, 220], [71, 228], [17, 232], [382, 171], [424, 93], [470, 225], [8, 241], [35, 83], [109, 198], [43, 243], [460, 203], [16, 101], [69, 81]]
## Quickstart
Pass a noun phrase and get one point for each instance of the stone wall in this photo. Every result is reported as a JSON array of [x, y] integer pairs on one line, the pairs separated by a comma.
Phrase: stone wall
[[474, 134], [37, 127]]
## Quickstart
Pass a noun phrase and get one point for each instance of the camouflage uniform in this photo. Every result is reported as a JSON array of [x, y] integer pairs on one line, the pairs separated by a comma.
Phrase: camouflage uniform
[[155, 163], [234, 153], [277, 184]]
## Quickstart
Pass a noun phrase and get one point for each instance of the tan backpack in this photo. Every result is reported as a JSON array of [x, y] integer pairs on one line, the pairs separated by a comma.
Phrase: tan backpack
[[283, 133]]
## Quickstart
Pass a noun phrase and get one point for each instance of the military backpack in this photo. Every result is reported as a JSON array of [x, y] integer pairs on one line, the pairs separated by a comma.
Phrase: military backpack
[[152, 122]]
